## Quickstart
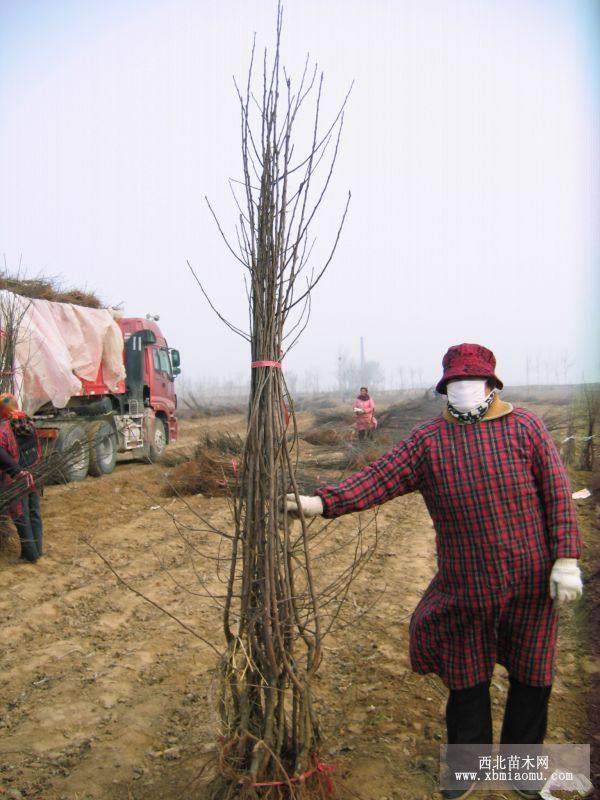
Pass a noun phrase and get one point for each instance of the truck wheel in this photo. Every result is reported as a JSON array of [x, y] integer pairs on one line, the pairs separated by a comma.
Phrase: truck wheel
[[72, 453], [103, 448], [159, 443]]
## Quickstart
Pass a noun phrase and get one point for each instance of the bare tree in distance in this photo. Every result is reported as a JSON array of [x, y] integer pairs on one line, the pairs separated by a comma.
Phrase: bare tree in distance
[[557, 366], [590, 401], [400, 372], [567, 448], [311, 382], [352, 375], [566, 365], [292, 382]]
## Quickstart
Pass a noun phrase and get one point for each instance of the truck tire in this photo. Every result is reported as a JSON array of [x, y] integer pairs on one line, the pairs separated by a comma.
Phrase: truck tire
[[102, 441], [72, 453], [159, 443]]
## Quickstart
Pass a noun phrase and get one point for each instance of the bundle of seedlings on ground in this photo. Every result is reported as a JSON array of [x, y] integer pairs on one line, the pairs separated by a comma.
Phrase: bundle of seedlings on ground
[[276, 609], [323, 436], [210, 469], [172, 457], [316, 403], [209, 472], [358, 455], [339, 418], [345, 457], [231, 444], [399, 419]]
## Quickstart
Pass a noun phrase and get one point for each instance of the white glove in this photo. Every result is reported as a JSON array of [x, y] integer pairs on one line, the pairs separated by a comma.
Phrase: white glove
[[565, 581], [359, 411], [311, 506]]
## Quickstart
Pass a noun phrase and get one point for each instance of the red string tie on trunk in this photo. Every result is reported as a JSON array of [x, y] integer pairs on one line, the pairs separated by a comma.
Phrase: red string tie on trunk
[[276, 364]]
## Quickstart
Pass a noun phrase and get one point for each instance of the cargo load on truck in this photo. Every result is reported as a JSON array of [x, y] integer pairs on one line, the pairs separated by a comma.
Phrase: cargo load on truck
[[97, 383], [59, 346]]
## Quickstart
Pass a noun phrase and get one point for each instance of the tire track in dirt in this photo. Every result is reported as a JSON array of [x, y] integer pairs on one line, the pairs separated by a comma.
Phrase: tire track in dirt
[[94, 648]]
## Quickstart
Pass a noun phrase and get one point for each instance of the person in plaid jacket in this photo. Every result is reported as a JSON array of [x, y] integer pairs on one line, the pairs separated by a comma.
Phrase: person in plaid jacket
[[507, 547]]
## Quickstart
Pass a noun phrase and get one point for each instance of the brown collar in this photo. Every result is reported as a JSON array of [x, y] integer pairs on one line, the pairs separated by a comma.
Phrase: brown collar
[[498, 408]]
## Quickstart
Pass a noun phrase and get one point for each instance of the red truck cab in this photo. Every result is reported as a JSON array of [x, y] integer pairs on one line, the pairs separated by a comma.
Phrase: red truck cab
[[160, 368]]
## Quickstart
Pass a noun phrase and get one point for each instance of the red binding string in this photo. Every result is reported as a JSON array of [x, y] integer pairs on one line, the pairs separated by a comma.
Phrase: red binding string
[[255, 364], [325, 770], [277, 365]]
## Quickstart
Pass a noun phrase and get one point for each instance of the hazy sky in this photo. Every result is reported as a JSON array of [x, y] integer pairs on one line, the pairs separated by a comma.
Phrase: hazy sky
[[471, 147]]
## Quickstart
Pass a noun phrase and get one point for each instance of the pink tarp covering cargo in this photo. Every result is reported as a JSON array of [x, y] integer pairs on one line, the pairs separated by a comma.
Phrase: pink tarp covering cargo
[[59, 344]]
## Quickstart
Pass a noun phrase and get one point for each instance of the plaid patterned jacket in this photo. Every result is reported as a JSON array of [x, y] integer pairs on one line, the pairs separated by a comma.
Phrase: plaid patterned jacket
[[9, 444], [498, 495]]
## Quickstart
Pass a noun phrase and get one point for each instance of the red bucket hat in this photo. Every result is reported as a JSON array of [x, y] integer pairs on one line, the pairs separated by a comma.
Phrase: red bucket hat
[[468, 361]]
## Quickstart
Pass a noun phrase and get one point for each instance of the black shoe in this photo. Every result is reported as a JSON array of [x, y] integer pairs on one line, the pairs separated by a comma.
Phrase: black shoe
[[457, 794]]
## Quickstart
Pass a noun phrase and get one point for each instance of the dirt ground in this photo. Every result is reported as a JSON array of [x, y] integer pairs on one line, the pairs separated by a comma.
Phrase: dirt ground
[[104, 696]]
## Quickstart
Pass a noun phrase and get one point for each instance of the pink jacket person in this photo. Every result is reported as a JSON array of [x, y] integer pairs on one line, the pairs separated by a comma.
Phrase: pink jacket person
[[366, 421]]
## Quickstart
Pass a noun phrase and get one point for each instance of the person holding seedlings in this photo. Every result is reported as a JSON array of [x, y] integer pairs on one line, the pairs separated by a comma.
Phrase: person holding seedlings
[[507, 547], [19, 452], [364, 411]]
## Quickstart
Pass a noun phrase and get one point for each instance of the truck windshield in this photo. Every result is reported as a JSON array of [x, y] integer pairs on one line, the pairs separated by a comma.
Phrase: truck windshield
[[162, 362]]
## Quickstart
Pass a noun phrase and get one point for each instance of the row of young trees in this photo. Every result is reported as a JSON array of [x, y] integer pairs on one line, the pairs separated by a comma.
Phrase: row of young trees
[[350, 374], [578, 448], [546, 370], [348, 377]]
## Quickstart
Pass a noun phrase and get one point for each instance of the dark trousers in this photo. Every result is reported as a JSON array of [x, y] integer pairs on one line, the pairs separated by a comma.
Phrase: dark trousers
[[469, 714], [30, 528]]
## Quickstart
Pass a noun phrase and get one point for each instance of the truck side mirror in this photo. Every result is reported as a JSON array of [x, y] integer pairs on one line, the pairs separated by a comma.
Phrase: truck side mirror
[[176, 370], [176, 360]]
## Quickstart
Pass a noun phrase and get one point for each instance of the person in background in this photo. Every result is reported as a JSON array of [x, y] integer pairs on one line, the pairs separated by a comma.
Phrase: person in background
[[507, 545], [19, 452], [364, 409]]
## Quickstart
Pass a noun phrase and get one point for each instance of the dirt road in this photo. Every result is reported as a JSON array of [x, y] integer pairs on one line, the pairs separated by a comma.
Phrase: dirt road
[[104, 696]]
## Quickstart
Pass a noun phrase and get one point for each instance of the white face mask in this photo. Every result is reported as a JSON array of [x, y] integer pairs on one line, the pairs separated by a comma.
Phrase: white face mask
[[466, 395]]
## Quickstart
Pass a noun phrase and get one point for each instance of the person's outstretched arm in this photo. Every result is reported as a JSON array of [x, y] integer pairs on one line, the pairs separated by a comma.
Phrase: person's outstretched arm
[[395, 473]]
